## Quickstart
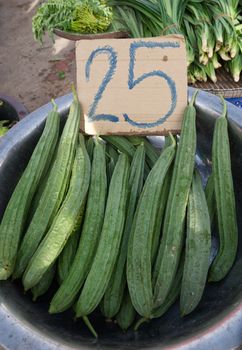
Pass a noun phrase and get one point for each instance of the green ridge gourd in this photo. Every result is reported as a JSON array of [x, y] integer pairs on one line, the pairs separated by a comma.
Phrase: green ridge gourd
[[41, 187], [162, 207], [67, 256], [15, 215], [151, 152], [127, 313], [225, 200], [171, 297], [198, 248], [68, 217], [139, 258], [210, 198], [173, 227], [44, 284], [90, 147], [114, 293], [54, 191], [90, 235], [122, 144], [112, 158], [108, 248]]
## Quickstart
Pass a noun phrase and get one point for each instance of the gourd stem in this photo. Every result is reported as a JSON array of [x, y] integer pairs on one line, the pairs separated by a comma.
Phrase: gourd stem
[[224, 112], [193, 98], [89, 326], [140, 322], [74, 91], [54, 104]]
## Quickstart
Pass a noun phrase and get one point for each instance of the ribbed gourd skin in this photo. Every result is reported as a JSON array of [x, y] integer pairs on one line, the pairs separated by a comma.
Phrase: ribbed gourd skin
[[139, 258], [115, 290], [54, 191], [69, 216], [15, 216], [152, 154], [90, 235], [170, 300], [174, 293], [210, 198], [160, 214], [117, 225], [173, 227], [127, 313], [67, 256], [110, 240], [225, 201], [44, 284], [122, 144], [197, 249]]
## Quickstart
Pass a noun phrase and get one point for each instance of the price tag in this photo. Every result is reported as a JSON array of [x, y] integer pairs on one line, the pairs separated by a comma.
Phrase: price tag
[[132, 86]]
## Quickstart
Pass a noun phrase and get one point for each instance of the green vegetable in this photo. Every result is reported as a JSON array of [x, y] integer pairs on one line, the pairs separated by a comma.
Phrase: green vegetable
[[45, 283], [91, 17], [114, 292], [15, 215], [173, 227], [122, 144], [173, 294], [67, 256], [67, 219], [42, 184], [151, 152], [139, 259], [83, 16], [112, 158], [170, 300], [90, 147], [113, 154], [225, 200], [108, 248], [162, 207], [198, 247], [212, 30], [54, 191], [90, 235], [210, 198], [235, 66], [4, 127], [127, 314]]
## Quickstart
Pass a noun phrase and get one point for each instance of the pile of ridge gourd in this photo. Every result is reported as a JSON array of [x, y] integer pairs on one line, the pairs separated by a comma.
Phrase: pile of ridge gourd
[[121, 226]]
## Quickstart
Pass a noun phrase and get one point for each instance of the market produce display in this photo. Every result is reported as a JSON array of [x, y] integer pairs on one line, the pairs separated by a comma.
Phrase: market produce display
[[81, 16], [212, 30], [121, 226], [14, 219]]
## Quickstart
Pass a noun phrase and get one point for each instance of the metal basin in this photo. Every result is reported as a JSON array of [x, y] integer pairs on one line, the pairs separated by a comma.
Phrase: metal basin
[[217, 322]]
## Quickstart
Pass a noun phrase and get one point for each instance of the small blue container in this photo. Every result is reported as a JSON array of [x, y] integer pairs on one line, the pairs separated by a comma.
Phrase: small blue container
[[237, 101]]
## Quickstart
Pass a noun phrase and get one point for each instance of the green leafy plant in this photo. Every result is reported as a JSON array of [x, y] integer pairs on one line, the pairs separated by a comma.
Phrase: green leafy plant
[[212, 30], [83, 16], [4, 127]]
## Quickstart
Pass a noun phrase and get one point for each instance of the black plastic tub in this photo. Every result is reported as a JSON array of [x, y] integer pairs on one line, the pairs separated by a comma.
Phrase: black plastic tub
[[217, 322], [11, 109]]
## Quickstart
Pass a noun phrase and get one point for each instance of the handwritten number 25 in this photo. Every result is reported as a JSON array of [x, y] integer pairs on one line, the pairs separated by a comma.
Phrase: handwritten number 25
[[132, 82]]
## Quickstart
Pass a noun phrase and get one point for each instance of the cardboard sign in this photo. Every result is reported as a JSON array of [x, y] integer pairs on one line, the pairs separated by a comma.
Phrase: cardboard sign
[[132, 86]]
